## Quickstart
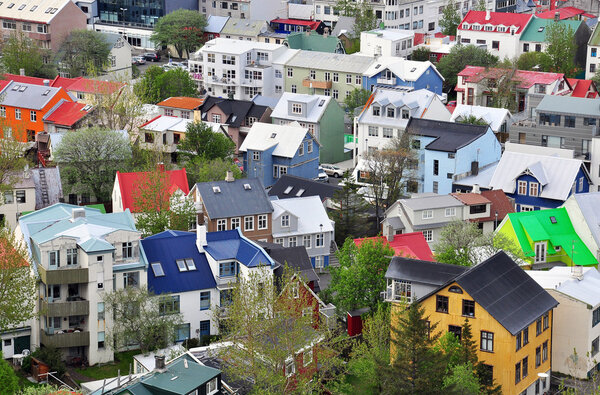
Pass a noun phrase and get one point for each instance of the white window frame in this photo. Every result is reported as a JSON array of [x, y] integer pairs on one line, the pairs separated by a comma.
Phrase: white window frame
[[292, 241], [307, 361], [212, 387], [289, 364], [296, 108], [319, 262], [236, 222], [309, 146], [427, 214], [221, 225], [285, 221], [307, 241], [319, 240], [249, 223], [451, 212], [534, 189], [428, 234], [262, 222], [540, 252], [522, 187]]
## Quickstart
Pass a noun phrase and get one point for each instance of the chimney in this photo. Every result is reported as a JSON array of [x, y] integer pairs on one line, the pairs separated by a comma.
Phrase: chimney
[[577, 272], [46, 82], [77, 213], [488, 16], [160, 166], [159, 363], [476, 189], [201, 237], [21, 71], [229, 176], [556, 16]]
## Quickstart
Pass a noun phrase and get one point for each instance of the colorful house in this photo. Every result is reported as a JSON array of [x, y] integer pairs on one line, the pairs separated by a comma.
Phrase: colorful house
[[288, 26], [547, 238], [410, 245], [393, 71]]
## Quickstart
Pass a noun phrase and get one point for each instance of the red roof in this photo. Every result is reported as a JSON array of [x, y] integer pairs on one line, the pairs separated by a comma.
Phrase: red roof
[[94, 86], [471, 199], [24, 79], [129, 182], [582, 88], [313, 24], [497, 19], [410, 245], [67, 113], [500, 203], [187, 103], [525, 78], [442, 35], [419, 38], [564, 13]]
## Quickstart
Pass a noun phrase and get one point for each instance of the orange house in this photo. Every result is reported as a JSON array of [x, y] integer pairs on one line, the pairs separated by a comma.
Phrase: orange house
[[23, 107]]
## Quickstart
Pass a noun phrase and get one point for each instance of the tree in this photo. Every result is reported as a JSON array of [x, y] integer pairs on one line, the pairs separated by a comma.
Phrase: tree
[[360, 278], [116, 106], [141, 318], [148, 87], [561, 49], [461, 56], [416, 367], [201, 141], [83, 50], [17, 284], [202, 170], [450, 18], [421, 54], [481, 6], [468, 345], [20, 52], [364, 18], [473, 120], [182, 29], [349, 212], [356, 99], [345, 7], [462, 380], [89, 160], [157, 84], [9, 382], [12, 162], [531, 61]]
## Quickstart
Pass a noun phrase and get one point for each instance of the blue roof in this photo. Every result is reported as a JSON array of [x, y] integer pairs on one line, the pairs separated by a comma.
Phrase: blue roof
[[231, 244], [168, 246]]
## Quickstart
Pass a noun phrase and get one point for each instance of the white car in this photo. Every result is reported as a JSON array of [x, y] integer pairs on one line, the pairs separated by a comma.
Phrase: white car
[[322, 176], [333, 170]]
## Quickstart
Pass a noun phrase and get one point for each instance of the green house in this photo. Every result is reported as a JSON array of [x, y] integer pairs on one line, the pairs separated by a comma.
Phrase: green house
[[547, 238], [313, 41]]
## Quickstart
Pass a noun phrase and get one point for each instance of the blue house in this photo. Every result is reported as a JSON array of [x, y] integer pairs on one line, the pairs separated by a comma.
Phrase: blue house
[[391, 71], [448, 151], [538, 182], [270, 151]]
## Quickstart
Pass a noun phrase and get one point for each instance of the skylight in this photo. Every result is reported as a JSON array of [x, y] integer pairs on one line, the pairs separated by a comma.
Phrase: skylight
[[288, 190], [32, 8], [541, 29], [321, 102], [553, 219], [181, 265], [157, 269], [186, 264], [273, 135], [46, 92], [247, 187], [22, 88], [191, 265], [11, 5], [216, 189], [300, 192], [48, 10], [413, 69], [21, 7]]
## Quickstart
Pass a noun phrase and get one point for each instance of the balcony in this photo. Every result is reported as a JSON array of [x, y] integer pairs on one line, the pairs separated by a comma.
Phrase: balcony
[[222, 81], [225, 281], [386, 81], [65, 339], [64, 309], [310, 83], [252, 82], [63, 276]]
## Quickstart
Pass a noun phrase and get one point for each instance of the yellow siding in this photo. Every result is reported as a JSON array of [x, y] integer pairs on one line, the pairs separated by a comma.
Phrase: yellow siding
[[504, 357]]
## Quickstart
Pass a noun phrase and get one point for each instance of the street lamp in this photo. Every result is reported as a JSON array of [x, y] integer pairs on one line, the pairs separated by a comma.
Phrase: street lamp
[[496, 220], [122, 12]]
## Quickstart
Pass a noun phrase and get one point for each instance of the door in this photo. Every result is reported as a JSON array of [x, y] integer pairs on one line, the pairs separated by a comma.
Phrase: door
[[521, 102], [522, 138], [7, 348], [540, 252]]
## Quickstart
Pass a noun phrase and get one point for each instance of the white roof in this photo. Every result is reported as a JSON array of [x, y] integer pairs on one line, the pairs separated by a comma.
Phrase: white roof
[[315, 107], [437, 45], [301, 11], [492, 116], [482, 178], [331, 61], [164, 123], [310, 212], [285, 138], [555, 174], [148, 361], [214, 23], [408, 70], [35, 11], [417, 102], [391, 34], [560, 279], [237, 47]]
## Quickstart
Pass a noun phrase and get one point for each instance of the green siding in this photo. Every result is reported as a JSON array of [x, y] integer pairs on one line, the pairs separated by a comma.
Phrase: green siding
[[300, 73], [332, 134]]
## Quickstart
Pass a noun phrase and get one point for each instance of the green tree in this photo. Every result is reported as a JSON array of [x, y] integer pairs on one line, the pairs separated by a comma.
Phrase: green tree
[[473, 120], [345, 7], [356, 99], [201, 141], [182, 29], [532, 60], [461, 56], [360, 278], [416, 367], [9, 382], [157, 84], [148, 88], [364, 18], [20, 52], [450, 18], [561, 49], [12, 163], [468, 345], [349, 212], [45, 389], [17, 284], [82, 51], [116, 107], [481, 6], [52, 357], [141, 318], [89, 160], [421, 54], [204, 170], [462, 380]]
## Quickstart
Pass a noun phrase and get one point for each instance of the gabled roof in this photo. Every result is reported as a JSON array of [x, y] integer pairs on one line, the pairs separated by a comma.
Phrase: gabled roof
[[162, 123], [501, 204], [233, 199], [420, 271], [495, 19], [536, 30], [167, 247], [357, 64], [300, 22], [295, 257], [449, 136], [588, 204], [41, 11], [564, 280], [186, 103], [235, 110], [525, 79], [30, 96], [564, 13], [67, 113], [430, 201], [130, 182], [492, 116], [408, 245], [87, 85], [316, 105], [289, 186], [312, 217], [407, 70], [214, 23], [569, 105], [285, 139], [583, 88], [344, 25], [470, 199], [244, 27], [534, 226], [556, 175], [231, 244]]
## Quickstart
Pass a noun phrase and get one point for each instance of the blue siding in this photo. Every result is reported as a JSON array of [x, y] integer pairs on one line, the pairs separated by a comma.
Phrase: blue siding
[[432, 81]]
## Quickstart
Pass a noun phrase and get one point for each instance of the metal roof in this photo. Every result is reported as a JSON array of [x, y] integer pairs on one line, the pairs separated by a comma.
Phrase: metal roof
[[316, 105], [312, 217], [41, 11], [406, 70], [232, 244], [564, 280], [569, 105], [449, 136], [331, 62], [588, 204], [29, 96], [289, 186], [430, 202], [494, 117], [285, 138], [214, 23], [426, 272], [244, 27], [234, 200], [536, 29]]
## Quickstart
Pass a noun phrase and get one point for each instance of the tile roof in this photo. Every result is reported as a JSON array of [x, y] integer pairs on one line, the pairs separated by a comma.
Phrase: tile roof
[[231, 244], [284, 138], [525, 78], [167, 247], [309, 210], [30, 96], [470, 199], [407, 245], [234, 199], [536, 30], [289, 186], [564, 12], [130, 182], [449, 136], [186, 103], [427, 272], [67, 113], [496, 19]]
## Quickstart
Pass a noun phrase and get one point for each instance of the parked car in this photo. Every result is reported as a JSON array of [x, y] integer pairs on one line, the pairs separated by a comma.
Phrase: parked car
[[333, 170], [138, 60], [175, 65], [152, 56], [323, 177]]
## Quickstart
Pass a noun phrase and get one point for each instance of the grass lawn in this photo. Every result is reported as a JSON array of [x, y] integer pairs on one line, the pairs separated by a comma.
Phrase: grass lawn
[[122, 362]]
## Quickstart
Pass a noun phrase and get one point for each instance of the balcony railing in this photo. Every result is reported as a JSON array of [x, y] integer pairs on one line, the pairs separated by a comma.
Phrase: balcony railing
[[225, 281], [386, 81], [64, 309], [311, 83], [63, 275], [66, 339]]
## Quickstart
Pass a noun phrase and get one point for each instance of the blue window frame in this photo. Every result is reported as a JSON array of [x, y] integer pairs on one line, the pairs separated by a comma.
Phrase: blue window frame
[[205, 300], [205, 328], [227, 269], [182, 332]]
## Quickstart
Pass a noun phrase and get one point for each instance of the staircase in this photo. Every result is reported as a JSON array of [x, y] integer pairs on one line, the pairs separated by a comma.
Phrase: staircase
[[44, 185], [333, 260]]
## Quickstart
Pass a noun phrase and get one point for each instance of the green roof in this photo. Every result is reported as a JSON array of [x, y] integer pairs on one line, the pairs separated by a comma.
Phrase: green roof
[[595, 38], [535, 33], [534, 226], [314, 42], [98, 206], [179, 379]]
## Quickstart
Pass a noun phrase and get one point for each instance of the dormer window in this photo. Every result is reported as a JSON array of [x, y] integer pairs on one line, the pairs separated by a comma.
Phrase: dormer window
[[376, 111], [465, 26], [476, 27], [285, 221], [501, 29], [296, 108], [216, 189], [391, 112], [489, 28], [405, 114]]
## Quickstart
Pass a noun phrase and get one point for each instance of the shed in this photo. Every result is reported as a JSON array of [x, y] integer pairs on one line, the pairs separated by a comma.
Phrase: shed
[[355, 321]]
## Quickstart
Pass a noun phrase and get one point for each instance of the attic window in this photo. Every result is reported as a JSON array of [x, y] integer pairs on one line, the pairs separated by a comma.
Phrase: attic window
[[553, 219], [413, 69], [233, 118], [273, 135], [46, 92], [157, 269], [15, 87], [321, 103], [216, 189], [541, 29], [48, 10], [11, 5], [32, 8], [378, 66], [247, 187], [22, 88], [455, 289], [191, 265], [300, 192], [21, 7], [87, 107], [53, 10], [185, 264], [288, 190]]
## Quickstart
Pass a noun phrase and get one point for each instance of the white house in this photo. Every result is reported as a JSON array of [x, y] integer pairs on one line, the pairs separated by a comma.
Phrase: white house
[[18, 200], [119, 58], [387, 42], [499, 119]]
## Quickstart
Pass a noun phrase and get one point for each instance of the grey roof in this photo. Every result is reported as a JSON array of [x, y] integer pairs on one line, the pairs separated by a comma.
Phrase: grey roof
[[32, 97], [345, 25], [214, 23], [425, 272], [295, 257], [53, 186], [588, 204], [233, 199], [430, 202], [331, 61], [483, 178], [449, 136], [310, 187], [395, 223], [244, 27], [570, 105]]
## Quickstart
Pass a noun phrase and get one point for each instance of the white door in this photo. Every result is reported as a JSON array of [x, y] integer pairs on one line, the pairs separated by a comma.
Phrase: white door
[[540, 252], [8, 348]]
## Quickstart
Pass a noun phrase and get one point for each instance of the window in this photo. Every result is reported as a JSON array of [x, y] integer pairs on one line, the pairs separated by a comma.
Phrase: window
[[210, 58], [546, 321], [538, 327], [358, 79], [296, 108], [285, 221], [2, 111], [405, 114], [71, 256], [292, 241], [278, 74], [468, 308], [522, 188], [348, 78], [227, 269], [526, 47], [157, 269], [306, 239], [249, 223], [595, 344], [376, 111], [593, 50], [54, 258], [428, 234], [525, 336], [17, 113], [545, 351], [216, 118], [100, 280], [301, 149], [127, 249], [169, 305], [525, 367], [517, 372], [182, 332], [262, 222], [335, 94], [33, 116], [9, 25], [436, 167], [100, 339], [290, 367], [596, 317], [496, 45], [309, 146], [211, 386], [131, 279], [293, 88], [290, 72], [519, 340], [391, 112], [307, 357], [256, 156], [569, 121], [221, 225], [533, 189], [327, 92], [100, 311], [441, 304], [336, 77], [373, 131], [319, 240], [205, 300], [388, 133], [456, 330], [427, 214], [487, 341]]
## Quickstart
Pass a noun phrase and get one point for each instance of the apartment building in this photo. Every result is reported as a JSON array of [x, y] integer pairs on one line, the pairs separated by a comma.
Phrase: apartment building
[[245, 9]]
